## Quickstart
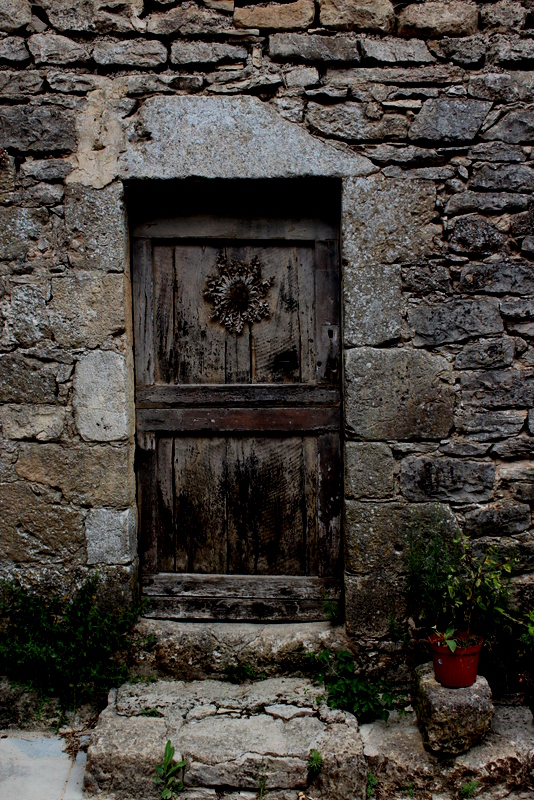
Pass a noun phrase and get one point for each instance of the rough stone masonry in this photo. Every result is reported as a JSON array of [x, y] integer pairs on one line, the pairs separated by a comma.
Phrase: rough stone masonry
[[435, 103]]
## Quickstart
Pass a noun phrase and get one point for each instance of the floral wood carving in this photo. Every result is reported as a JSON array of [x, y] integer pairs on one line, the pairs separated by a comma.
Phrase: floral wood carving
[[237, 293]]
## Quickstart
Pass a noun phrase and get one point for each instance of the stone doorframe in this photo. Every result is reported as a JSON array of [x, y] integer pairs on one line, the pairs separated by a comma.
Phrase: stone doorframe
[[392, 392]]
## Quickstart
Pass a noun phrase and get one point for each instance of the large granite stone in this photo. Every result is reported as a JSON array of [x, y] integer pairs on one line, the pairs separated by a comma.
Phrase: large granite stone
[[455, 320], [95, 222], [223, 137], [38, 129], [474, 234], [370, 470], [397, 394], [27, 421], [368, 15], [451, 720], [281, 17], [371, 603], [341, 47], [88, 476], [86, 309], [27, 380], [449, 119], [19, 226], [103, 397], [438, 19], [350, 121], [111, 536], [230, 736], [449, 479]]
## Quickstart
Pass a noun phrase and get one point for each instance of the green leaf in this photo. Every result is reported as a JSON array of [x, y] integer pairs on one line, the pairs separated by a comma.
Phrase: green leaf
[[157, 780], [175, 768], [169, 754], [166, 794], [159, 770], [451, 644]]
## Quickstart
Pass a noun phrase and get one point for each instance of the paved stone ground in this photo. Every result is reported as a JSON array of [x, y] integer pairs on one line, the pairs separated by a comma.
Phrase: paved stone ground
[[34, 766]]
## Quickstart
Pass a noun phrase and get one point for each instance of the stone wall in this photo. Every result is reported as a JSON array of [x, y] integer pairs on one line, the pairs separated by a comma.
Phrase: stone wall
[[433, 101]]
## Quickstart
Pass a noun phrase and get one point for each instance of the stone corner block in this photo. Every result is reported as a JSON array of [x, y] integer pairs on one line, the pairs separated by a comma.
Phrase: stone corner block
[[451, 720], [103, 397], [370, 470], [111, 536], [95, 220], [396, 394], [371, 602]]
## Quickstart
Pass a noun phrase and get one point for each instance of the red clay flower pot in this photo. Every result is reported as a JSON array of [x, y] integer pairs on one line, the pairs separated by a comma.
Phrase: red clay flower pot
[[459, 669]]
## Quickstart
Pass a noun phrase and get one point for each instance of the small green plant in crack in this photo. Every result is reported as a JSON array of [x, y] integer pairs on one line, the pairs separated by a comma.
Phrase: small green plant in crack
[[410, 791], [151, 712], [262, 790], [315, 763], [469, 789], [372, 782], [332, 609], [239, 673], [166, 774]]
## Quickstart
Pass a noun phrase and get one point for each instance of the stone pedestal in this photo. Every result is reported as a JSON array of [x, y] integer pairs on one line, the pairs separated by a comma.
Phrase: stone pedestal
[[451, 720]]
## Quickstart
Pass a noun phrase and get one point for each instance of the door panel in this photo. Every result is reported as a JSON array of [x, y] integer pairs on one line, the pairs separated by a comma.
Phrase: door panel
[[238, 425]]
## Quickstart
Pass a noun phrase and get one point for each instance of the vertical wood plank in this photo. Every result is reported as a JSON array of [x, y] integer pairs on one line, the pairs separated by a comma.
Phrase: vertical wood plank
[[306, 293], [200, 504], [165, 504], [329, 505], [145, 458], [265, 506], [327, 293], [199, 341], [163, 270], [143, 301], [311, 482]]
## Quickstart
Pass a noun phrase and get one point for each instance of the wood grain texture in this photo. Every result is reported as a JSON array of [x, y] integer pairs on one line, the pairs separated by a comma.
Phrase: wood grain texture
[[143, 299], [236, 395], [208, 227], [205, 420], [163, 272]]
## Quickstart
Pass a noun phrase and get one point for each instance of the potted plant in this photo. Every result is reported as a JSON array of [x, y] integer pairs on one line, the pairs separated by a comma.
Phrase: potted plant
[[477, 588], [457, 592]]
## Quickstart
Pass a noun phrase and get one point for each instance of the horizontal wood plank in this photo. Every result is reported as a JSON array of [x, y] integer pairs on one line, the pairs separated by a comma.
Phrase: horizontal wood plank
[[239, 597], [165, 396], [232, 420], [207, 227]]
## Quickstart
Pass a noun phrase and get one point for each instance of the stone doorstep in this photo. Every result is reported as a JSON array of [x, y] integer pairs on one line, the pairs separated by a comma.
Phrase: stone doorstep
[[231, 736], [197, 650]]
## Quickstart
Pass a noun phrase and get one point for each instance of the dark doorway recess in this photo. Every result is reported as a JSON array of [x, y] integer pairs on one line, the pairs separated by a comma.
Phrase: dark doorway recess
[[236, 299]]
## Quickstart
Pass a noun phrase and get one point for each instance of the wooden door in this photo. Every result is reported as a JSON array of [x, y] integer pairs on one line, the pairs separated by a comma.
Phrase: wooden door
[[237, 356]]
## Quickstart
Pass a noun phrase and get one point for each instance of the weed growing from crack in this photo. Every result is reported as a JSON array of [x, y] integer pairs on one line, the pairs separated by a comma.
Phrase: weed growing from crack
[[372, 782], [166, 774], [315, 763], [468, 789]]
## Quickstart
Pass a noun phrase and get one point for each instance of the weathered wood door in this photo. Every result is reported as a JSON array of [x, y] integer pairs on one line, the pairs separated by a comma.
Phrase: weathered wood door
[[238, 365]]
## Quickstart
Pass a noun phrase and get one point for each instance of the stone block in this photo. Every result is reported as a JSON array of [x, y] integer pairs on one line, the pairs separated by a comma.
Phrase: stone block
[[131, 53], [36, 531], [522, 224], [506, 178], [341, 47], [86, 309], [38, 129], [502, 86], [19, 226], [486, 354], [451, 720], [26, 316], [396, 51], [468, 51], [14, 14], [284, 17], [504, 16], [188, 20], [86, 475], [27, 380], [449, 119], [502, 388], [95, 222], [489, 424], [349, 121], [233, 137], [448, 479], [499, 519], [375, 536], [397, 394], [454, 320], [514, 127], [486, 202], [370, 470], [363, 15], [438, 19], [103, 397], [24, 421], [111, 536], [474, 234], [183, 52], [301, 76], [17, 87], [13, 49], [518, 447], [496, 151], [499, 276], [371, 602], [98, 16], [49, 48], [512, 50]]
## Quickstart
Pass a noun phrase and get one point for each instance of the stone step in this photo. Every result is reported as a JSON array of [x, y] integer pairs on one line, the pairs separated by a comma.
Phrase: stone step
[[198, 650], [234, 738], [238, 738]]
